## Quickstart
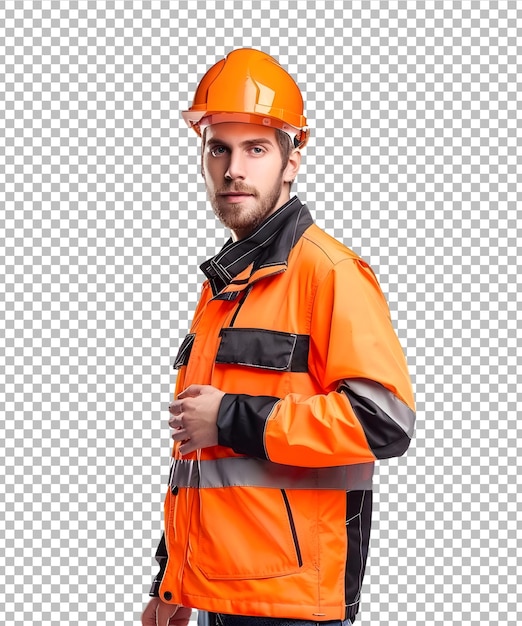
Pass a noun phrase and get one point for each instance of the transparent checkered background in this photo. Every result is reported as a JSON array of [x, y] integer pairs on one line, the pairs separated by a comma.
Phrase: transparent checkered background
[[414, 162]]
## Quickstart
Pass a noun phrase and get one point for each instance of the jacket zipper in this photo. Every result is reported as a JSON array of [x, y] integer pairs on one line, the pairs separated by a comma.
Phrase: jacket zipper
[[241, 302], [292, 528]]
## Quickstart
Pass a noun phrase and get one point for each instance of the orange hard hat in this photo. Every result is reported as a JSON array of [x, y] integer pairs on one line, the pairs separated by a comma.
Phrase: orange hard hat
[[249, 86]]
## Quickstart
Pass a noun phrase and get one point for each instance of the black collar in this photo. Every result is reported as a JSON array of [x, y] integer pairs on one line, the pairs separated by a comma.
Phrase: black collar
[[269, 244]]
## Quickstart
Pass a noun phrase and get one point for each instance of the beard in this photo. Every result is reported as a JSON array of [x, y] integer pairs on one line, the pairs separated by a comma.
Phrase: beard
[[243, 219]]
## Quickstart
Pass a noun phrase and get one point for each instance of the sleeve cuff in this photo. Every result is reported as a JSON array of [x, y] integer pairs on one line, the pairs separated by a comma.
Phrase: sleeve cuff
[[241, 423]]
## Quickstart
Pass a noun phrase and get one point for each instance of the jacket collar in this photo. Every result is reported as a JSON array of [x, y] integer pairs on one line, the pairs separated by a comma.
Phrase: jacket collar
[[268, 246]]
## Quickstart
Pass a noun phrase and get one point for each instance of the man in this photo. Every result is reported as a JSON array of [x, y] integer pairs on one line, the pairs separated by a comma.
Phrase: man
[[291, 384]]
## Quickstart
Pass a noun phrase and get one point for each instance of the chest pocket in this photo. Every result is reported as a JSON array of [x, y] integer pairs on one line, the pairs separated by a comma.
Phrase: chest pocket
[[265, 349]]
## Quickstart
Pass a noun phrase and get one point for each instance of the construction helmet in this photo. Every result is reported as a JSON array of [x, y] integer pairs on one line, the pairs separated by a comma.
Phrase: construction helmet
[[249, 86]]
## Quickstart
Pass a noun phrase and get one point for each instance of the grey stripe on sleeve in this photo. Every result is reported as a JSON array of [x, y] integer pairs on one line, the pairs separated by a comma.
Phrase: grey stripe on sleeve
[[394, 408]]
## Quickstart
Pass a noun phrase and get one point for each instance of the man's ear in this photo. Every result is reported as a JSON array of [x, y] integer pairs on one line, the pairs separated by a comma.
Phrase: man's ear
[[292, 167]]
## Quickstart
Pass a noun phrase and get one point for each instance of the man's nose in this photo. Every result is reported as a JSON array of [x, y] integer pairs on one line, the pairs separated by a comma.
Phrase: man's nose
[[236, 166]]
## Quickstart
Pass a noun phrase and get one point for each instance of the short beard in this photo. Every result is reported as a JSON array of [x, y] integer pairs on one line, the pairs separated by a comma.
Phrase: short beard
[[244, 222]]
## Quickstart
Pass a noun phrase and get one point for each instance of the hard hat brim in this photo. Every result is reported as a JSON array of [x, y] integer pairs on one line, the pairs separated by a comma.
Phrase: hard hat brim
[[198, 120]]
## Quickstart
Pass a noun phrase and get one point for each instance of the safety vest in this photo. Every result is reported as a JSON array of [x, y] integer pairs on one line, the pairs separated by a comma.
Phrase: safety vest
[[303, 343]]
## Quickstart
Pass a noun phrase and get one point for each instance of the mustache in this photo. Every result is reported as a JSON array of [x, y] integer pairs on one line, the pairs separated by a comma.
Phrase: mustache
[[237, 188]]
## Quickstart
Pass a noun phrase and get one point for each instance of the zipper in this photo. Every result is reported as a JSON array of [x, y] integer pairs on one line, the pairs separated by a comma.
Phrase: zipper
[[292, 528], [248, 290], [241, 302]]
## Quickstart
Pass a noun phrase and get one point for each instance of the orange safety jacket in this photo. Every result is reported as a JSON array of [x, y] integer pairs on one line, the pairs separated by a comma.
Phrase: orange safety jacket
[[275, 520]]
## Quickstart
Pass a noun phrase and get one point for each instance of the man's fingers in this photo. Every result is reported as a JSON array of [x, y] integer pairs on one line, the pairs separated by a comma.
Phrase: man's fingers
[[176, 408], [187, 447], [164, 612], [158, 613], [182, 617], [149, 615], [176, 421], [191, 391], [180, 434]]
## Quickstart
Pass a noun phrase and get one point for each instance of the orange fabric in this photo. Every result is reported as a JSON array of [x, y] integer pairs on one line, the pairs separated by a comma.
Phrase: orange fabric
[[231, 550]]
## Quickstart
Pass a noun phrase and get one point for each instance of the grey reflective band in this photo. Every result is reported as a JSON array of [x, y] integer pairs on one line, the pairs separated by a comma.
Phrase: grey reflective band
[[249, 472], [399, 412]]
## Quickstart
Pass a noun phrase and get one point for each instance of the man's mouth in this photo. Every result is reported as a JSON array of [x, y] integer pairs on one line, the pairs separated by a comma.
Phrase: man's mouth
[[234, 196]]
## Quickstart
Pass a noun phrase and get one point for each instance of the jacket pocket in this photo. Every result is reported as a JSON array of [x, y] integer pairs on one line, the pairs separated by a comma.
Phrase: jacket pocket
[[292, 527], [265, 349], [247, 533]]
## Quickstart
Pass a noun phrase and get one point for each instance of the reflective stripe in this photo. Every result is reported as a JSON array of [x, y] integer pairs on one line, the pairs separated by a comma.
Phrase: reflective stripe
[[249, 472], [399, 412]]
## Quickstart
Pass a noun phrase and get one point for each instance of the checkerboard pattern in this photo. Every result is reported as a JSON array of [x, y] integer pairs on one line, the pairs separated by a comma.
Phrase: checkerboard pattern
[[414, 162]]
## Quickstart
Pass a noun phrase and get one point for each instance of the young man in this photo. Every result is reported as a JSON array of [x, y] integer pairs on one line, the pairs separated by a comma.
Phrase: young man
[[291, 384]]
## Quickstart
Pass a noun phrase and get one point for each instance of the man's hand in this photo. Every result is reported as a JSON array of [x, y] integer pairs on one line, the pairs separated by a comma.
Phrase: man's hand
[[159, 613], [194, 417]]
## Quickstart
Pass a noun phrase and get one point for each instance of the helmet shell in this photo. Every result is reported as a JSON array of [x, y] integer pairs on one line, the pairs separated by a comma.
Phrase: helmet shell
[[249, 86]]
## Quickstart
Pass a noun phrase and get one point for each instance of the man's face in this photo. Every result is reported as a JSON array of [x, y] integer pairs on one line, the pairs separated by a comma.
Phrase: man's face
[[244, 174]]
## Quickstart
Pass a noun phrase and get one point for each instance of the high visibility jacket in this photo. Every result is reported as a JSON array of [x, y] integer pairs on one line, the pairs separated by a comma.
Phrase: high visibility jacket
[[275, 519]]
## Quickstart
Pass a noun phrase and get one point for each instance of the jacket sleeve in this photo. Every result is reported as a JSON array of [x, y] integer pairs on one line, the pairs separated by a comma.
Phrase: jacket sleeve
[[366, 410]]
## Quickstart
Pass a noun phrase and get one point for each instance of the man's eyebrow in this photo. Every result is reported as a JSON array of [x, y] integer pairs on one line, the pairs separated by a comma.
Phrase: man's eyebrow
[[216, 141]]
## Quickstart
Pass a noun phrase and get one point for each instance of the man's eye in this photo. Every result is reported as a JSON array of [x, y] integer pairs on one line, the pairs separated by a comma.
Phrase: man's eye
[[218, 150]]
